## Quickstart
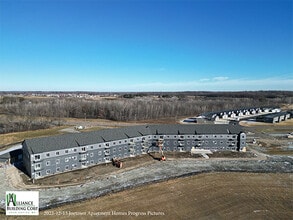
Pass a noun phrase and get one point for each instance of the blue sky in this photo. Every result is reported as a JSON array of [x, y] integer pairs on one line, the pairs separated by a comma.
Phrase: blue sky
[[132, 45]]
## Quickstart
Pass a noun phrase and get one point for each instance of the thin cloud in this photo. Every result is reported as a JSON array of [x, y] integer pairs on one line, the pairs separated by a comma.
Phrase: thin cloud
[[204, 80], [220, 78], [222, 84]]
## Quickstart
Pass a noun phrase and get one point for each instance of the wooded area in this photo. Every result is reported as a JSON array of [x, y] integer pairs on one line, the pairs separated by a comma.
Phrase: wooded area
[[20, 113]]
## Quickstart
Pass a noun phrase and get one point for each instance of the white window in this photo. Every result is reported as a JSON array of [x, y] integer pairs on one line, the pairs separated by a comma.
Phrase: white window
[[74, 157], [48, 163], [92, 154], [58, 169], [37, 157], [66, 167], [66, 151], [57, 152], [83, 149], [66, 159], [48, 171], [48, 154]]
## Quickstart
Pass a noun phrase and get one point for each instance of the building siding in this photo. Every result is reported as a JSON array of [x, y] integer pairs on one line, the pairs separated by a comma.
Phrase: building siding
[[67, 158]]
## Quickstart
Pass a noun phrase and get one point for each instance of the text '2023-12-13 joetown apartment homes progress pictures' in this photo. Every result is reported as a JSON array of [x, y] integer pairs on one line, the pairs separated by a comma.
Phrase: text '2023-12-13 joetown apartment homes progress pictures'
[[56, 154], [52, 155]]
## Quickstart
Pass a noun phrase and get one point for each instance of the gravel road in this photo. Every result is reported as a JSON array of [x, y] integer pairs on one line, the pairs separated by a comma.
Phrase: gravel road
[[155, 172]]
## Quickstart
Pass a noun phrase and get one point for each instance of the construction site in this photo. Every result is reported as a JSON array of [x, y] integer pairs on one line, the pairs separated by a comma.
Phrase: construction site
[[201, 179]]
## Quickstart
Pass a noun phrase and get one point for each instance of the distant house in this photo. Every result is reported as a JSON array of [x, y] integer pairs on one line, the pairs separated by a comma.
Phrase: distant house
[[232, 114], [252, 111], [274, 117], [51, 155]]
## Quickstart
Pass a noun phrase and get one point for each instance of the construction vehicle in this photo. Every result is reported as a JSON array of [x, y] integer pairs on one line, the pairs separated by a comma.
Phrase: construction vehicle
[[160, 145], [117, 163]]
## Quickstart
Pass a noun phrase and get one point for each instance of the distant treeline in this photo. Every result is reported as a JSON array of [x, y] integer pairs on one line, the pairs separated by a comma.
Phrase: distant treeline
[[240, 94], [42, 113]]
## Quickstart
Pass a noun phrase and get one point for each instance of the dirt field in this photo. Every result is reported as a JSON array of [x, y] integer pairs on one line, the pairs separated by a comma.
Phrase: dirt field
[[204, 196]]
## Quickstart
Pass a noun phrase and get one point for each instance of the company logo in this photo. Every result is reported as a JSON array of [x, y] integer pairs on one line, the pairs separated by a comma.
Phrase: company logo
[[22, 203], [11, 199]]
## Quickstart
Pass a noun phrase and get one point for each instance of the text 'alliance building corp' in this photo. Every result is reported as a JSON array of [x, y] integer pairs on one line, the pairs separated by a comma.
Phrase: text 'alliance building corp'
[[51, 155]]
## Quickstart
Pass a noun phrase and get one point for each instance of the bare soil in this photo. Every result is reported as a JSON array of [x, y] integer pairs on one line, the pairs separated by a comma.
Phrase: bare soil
[[203, 196]]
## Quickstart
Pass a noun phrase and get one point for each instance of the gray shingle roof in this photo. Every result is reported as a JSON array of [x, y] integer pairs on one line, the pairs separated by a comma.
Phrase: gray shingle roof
[[44, 144]]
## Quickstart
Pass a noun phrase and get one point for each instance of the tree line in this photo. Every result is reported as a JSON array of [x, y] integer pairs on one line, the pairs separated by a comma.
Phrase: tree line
[[42, 113]]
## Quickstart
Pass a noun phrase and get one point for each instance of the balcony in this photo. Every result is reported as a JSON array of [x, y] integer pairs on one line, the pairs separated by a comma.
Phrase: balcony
[[107, 152], [107, 160], [83, 150], [36, 168], [181, 143], [181, 149]]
